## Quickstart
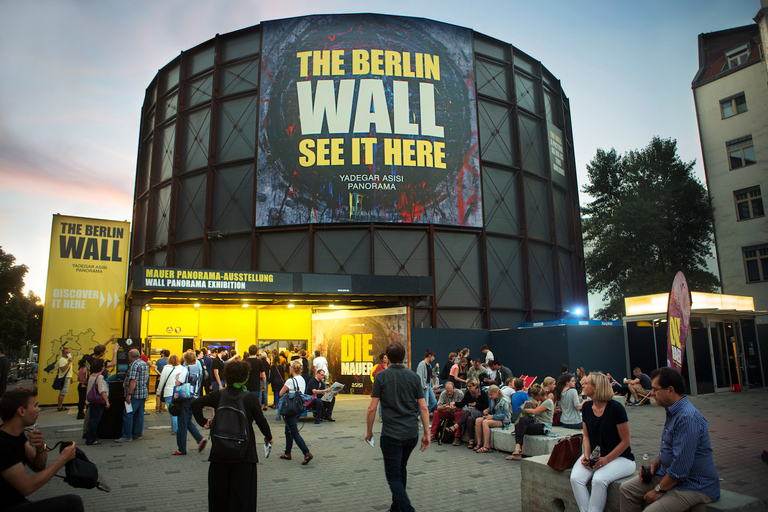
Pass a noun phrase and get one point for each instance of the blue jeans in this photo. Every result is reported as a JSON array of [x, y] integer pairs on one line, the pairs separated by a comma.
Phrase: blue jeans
[[133, 422], [264, 394], [575, 426], [292, 434], [93, 423], [396, 453], [174, 419], [186, 423], [429, 396]]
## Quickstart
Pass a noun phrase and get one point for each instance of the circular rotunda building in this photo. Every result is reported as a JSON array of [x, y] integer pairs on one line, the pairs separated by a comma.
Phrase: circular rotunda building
[[355, 161]]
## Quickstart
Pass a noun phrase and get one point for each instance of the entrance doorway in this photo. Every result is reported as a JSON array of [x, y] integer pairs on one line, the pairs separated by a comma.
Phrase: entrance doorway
[[727, 350]]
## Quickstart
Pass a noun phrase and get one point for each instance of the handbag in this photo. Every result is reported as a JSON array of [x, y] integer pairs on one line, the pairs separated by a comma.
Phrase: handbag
[[183, 391], [58, 382], [566, 452], [293, 403], [93, 396], [174, 409]]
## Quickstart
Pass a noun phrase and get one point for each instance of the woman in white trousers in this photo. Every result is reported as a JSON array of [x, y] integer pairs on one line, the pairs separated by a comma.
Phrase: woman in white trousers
[[605, 426]]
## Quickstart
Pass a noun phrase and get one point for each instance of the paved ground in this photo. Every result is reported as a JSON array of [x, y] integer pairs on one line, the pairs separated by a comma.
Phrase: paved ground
[[347, 474]]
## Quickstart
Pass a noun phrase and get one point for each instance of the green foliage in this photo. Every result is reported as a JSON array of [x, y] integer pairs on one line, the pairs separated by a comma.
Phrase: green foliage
[[21, 316], [650, 218]]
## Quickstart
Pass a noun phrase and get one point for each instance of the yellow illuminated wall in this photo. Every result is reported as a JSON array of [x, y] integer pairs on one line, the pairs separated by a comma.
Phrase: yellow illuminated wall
[[168, 325], [285, 324]]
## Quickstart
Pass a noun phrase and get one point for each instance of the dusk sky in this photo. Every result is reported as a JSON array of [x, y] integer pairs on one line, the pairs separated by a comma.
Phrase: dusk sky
[[74, 73]]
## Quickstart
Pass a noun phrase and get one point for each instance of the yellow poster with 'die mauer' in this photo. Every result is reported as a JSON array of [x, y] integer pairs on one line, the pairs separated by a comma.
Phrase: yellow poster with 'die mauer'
[[84, 296]]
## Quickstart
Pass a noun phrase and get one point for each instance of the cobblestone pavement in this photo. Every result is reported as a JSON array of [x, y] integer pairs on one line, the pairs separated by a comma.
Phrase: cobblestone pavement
[[347, 474]]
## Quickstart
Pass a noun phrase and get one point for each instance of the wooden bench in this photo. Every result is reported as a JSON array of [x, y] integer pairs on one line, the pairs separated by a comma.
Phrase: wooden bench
[[542, 489]]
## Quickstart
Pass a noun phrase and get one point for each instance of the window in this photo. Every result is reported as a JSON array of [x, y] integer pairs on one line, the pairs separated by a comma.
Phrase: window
[[756, 263], [741, 152], [749, 203], [736, 57], [734, 105]]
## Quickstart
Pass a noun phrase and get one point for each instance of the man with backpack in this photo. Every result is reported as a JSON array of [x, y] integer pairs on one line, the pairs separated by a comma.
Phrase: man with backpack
[[232, 474]]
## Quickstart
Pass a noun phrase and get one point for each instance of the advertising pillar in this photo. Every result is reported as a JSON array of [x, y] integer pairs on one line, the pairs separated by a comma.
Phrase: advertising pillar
[[84, 296]]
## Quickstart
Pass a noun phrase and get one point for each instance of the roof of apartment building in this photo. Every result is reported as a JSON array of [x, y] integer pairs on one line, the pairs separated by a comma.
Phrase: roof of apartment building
[[717, 51]]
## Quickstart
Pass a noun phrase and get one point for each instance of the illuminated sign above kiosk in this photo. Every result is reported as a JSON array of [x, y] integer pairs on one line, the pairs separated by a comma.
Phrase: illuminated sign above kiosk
[[178, 279]]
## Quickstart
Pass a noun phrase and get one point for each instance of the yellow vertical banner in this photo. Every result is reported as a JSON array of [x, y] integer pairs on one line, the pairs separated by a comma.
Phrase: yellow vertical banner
[[84, 295]]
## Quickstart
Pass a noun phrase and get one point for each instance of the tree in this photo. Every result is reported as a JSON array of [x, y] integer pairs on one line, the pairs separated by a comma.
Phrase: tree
[[20, 316], [650, 218]]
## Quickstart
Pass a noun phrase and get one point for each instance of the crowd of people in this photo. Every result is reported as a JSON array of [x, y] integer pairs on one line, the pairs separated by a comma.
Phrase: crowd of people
[[475, 396]]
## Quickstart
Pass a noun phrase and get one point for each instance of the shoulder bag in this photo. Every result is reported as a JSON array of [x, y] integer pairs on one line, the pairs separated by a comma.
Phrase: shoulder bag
[[293, 403], [566, 452], [93, 396], [58, 382], [174, 409], [183, 391]]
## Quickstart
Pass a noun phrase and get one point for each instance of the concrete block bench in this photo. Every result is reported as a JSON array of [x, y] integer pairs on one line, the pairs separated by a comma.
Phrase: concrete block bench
[[504, 440], [542, 489]]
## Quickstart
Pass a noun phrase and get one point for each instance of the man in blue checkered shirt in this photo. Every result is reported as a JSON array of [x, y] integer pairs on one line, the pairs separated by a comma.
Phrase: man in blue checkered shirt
[[136, 391], [683, 475]]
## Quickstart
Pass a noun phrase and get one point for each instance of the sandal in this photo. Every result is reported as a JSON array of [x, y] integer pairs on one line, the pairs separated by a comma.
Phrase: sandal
[[308, 457], [483, 449], [471, 444], [59, 409], [516, 456], [286, 456]]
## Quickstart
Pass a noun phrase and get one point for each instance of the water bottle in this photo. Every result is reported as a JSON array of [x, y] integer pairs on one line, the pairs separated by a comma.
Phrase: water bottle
[[594, 456], [645, 469]]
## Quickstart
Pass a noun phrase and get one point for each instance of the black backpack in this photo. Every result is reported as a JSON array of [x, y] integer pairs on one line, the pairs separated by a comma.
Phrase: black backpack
[[80, 472], [230, 428], [445, 371]]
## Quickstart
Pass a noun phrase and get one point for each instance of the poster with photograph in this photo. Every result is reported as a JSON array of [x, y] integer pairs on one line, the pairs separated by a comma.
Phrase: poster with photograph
[[352, 341], [367, 118]]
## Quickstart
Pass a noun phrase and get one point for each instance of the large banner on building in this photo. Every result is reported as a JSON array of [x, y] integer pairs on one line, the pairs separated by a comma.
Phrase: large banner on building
[[84, 295], [678, 318], [367, 118], [352, 341]]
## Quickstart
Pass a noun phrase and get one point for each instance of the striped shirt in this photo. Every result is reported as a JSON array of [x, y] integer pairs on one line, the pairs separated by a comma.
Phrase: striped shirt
[[686, 433]]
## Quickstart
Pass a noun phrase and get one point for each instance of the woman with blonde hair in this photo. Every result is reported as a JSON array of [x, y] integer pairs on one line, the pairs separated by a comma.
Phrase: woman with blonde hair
[[192, 374], [605, 425], [295, 384], [165, 385], [549, 384], [496, 415]]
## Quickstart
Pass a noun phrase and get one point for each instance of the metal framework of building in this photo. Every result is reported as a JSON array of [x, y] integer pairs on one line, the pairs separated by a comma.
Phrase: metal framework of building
[[196, 193]]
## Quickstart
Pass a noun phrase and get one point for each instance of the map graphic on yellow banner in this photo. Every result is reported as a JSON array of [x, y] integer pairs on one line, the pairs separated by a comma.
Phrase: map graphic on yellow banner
[[84, 298]]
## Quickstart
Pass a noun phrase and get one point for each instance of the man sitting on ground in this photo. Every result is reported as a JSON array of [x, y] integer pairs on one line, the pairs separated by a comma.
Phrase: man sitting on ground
[[640, 384], [316, 388], [446, 407], [19, 410]]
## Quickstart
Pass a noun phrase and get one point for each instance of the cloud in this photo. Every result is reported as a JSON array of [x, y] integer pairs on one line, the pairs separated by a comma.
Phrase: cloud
[[35, 170]]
